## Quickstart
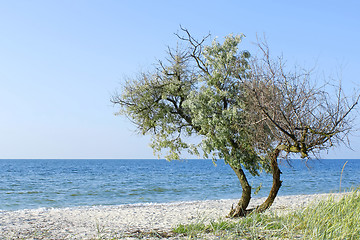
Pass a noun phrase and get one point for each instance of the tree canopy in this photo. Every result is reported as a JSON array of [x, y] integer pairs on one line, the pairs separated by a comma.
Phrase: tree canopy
[[195, 93], [245, 109]]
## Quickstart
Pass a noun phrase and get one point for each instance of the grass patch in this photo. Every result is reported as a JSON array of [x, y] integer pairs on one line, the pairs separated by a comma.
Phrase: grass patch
[[327, 219], [195, 228], [331, 219]]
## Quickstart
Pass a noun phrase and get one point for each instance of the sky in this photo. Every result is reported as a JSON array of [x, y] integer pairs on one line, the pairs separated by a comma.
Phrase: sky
[[60, 62]]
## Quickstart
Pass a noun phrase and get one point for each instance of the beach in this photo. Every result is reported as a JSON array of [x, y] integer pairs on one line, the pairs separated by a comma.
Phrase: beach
[[122, 221]]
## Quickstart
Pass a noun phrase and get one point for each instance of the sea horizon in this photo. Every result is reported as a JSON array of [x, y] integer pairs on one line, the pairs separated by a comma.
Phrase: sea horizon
[[59, 183]]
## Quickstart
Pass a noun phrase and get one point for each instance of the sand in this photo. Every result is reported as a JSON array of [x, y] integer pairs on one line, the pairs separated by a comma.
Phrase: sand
[[118, 221]]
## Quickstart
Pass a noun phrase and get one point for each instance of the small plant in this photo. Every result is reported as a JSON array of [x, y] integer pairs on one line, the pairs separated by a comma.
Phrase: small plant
[[100, 230], [191, 229]]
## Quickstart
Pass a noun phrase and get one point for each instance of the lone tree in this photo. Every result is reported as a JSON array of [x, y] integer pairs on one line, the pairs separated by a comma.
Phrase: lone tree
[[225, 97]]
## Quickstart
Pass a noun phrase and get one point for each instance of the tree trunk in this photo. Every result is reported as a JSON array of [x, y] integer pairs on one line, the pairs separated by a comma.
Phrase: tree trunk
[[276, 182], [240, 209]]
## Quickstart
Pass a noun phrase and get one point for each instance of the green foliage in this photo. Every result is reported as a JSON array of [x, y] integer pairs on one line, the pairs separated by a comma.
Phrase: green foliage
[[153, 103], [197, 93], [242, 109], [257, 190]]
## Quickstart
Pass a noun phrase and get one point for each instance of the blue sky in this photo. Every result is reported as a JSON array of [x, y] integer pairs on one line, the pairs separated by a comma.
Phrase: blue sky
[[60, 61]]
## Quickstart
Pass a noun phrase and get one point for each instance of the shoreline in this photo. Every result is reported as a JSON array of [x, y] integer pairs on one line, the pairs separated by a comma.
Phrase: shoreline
[[145, 204], [89, 222]]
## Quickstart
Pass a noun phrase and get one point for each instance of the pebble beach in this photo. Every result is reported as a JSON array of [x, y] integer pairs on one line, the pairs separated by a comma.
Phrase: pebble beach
[[109, 222]]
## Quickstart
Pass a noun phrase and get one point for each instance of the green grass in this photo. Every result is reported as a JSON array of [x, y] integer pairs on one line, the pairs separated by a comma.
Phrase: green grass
[[327, 219]]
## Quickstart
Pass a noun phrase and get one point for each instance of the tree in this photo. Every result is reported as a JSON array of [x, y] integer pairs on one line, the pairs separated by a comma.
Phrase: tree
[[303, 117], [220, 94], [196, 94]]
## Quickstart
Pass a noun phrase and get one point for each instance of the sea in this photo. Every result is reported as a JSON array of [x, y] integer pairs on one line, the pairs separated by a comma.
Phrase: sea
[[60, 183]]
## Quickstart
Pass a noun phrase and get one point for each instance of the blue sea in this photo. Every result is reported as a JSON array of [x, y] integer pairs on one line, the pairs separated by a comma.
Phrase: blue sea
[[28, 184]]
